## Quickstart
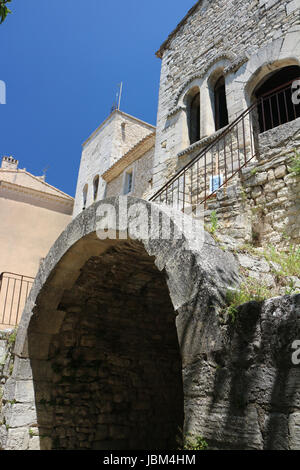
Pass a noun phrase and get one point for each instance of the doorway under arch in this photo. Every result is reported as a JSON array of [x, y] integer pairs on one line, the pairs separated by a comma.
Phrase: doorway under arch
[[115, 366]]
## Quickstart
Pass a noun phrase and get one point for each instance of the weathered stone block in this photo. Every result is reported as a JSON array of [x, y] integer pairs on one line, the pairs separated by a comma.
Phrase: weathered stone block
[[294, 431], [280, 171], [17, 439], [24, 391], [18, 415]]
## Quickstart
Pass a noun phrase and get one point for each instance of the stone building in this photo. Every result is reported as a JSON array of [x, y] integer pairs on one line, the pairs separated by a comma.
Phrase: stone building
[[222, 130], [33, 215], [124, 341], [116, 136], [132, 174], [247, 49]]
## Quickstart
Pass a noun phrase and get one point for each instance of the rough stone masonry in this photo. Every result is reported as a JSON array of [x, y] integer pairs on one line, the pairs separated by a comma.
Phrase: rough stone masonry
[[122, 342]]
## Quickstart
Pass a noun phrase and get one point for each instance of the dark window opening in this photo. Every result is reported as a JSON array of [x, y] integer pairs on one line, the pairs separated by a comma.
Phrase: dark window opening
[[96, 187], [221, 113], [128, 182], [275, 106], [194, 119], [84, 196]]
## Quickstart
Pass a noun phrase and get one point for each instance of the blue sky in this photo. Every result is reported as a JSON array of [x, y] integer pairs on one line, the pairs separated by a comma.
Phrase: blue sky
[[61, 62]]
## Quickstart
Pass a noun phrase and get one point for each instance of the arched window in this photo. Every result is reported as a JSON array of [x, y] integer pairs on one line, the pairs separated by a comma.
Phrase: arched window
[[221, 113], [95, 187], [193, 115], [84, 195], [275, 106]]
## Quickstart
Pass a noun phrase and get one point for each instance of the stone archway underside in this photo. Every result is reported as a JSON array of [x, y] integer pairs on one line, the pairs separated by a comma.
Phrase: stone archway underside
[[112, 339], [116, 367]]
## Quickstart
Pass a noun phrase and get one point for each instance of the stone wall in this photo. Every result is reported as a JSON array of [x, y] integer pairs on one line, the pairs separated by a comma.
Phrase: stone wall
[[112, 385], [118, 134], [7, 339], [97, 353], [97, 362], [244, 41], [242, 389], [142, 179], [262, 206]]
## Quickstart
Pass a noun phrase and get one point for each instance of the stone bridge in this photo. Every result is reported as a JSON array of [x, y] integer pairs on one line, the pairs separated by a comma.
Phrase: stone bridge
[[123, 345]]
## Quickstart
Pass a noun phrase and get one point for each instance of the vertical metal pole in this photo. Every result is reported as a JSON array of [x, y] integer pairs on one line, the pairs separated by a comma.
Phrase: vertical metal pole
[[120, 95]]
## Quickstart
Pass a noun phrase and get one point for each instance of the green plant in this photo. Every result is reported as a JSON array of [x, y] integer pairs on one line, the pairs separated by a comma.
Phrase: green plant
[[31, 432], [243, 194], [12, 337], [194, 443], [248, 291], [4, 10], [289, 261], [248, 248], [295, 167], [290, 288], [213, 222], [254, 171], [12, 402]]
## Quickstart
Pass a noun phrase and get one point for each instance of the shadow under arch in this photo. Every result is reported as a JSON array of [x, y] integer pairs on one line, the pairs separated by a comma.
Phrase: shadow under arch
[[99, 331]]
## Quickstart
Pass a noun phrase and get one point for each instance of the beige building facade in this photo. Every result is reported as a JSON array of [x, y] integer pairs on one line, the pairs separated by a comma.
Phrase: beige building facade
[[33, 214]]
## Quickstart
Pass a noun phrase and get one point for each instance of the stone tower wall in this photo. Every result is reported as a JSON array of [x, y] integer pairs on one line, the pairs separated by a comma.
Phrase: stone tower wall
[[109, 143]]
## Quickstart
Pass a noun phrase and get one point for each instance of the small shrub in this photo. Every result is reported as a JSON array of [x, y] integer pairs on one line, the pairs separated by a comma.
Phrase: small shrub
[[291, 288], [252, 290], [288, 261], [213, 222], [195, 443], [12, 337], [295, 167]]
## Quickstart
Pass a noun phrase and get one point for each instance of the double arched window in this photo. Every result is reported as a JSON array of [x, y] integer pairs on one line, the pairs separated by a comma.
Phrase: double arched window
[[212, 119]]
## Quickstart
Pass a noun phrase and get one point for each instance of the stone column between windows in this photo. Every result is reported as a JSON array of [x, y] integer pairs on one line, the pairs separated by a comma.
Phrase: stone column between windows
[[207, 124]]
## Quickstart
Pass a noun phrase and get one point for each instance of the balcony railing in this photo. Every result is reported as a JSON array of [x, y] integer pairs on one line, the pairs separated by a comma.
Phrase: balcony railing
[[232, 150], [14, 290]]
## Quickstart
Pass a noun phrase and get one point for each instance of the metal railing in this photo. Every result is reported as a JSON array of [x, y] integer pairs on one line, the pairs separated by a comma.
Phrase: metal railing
[[229, 153], [14, 290]]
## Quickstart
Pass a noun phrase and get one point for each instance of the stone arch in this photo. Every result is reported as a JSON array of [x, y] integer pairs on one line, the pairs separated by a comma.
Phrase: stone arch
[[263, 72], [276, 54], [223, 59], [274, 110], [69, 329], [218, 107]]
